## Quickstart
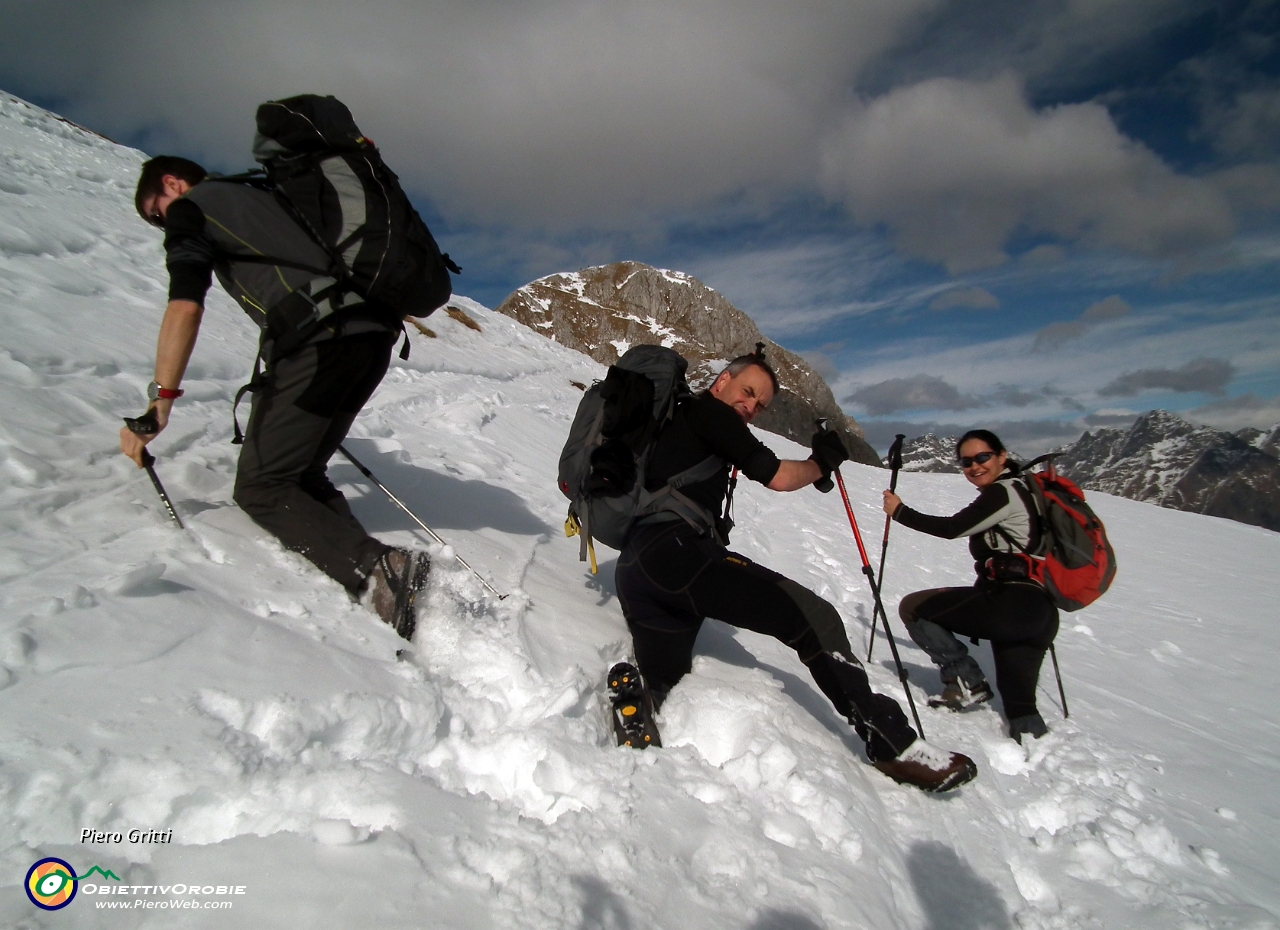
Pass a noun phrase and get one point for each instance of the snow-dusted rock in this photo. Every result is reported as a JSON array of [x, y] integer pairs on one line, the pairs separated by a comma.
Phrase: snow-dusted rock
[[605, 310], [1168, 461]]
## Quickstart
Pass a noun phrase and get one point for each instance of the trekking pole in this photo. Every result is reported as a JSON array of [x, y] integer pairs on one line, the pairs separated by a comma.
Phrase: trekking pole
[[1053, 654], [146, 425], [895, 465], [430, 532], [875, 593]]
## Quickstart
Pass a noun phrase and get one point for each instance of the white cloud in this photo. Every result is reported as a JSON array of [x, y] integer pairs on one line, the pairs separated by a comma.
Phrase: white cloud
[[977, 298], [1250, 126], [1167, 337], [918, 392], [955, 167], [1210, 375], [801, 287], [1046, 254], [1235, 413], [542, 113], [1056, 335]]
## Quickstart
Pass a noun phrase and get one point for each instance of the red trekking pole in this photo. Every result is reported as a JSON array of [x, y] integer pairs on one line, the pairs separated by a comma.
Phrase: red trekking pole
[[875, 593], [895, 466]]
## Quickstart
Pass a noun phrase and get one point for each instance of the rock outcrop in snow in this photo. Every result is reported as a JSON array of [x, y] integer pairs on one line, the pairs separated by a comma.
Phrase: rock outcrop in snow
[[605, 310]]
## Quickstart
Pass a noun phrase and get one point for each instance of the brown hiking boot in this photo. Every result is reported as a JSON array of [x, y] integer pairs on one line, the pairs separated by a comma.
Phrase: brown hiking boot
[[929, 768], [956, 695], [393, 586]]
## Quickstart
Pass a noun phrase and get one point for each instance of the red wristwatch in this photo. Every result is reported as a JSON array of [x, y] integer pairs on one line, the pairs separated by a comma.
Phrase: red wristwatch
[[154, 391]]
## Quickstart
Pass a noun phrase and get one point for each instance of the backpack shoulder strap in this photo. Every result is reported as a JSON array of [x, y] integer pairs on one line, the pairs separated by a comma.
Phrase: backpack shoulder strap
[[670, 499], [1028, 490], [258, 179], [337, 269]]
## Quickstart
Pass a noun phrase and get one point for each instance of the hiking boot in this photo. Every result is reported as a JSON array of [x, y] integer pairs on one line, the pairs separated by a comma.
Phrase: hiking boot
[[393, 586], [956, 695], [1032, 725], [929, 768]]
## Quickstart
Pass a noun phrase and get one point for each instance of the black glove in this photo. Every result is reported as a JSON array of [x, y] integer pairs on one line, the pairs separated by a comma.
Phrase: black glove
[[828, 451]]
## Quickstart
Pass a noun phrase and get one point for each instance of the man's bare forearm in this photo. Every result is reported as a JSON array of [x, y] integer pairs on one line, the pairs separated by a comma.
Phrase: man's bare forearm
[[178, 331], [793, 475]]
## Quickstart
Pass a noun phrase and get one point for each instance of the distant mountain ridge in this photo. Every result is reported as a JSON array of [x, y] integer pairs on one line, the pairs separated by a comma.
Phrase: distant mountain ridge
[[1162, 459], [605, 310], [930, 453], [1168, 461]]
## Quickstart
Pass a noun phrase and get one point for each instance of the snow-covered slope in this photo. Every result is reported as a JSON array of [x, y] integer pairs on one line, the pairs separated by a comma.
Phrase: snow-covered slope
[[209, 683]]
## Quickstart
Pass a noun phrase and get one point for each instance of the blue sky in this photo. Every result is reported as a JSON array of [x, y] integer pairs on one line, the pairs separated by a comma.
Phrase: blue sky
[[1035, 216]]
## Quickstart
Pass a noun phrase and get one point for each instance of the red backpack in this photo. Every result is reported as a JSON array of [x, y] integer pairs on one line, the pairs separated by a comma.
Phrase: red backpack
[[1074, 559]]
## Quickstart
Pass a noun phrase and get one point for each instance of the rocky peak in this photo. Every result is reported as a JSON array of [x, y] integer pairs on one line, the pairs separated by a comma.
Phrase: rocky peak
[[605, 310], [930, 453], [1173, 463], [1263, 440]]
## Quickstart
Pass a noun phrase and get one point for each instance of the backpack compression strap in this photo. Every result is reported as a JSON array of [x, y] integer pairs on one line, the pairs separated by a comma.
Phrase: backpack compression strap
[[669, 499]]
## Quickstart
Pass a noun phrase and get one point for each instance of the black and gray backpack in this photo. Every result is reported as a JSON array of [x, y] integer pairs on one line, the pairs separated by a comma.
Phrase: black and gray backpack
[[602, 465], [331, 180]]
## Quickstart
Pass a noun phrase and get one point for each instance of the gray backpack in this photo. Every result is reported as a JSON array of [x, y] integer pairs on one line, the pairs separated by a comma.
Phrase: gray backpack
[[327, 224], [602, 465]]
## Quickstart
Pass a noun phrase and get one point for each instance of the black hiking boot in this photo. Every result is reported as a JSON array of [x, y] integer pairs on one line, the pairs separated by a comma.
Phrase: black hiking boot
[[929, 768], [393, 588], [956, 695], [1032, 725], [632, 708]]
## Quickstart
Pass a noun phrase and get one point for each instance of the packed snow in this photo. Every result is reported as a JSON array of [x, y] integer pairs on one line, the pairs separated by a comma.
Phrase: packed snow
[[208, 683]]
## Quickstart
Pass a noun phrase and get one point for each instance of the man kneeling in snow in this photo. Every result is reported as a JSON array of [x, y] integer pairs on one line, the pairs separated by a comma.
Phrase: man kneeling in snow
[[671, 575], [305, 400]]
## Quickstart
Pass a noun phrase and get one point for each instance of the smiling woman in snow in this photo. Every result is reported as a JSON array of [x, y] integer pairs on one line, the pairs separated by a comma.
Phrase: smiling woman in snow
[[1003, 605]]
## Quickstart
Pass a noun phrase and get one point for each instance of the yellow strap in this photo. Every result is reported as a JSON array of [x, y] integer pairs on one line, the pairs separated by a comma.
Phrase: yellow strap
[[571, 526], [591, 550]]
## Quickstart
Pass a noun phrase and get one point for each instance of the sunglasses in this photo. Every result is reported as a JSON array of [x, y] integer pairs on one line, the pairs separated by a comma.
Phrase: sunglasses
[[153, 214], [982, 458]]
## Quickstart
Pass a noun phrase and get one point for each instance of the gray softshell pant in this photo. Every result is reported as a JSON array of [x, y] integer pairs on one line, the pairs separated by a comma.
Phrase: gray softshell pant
[[301, 413]]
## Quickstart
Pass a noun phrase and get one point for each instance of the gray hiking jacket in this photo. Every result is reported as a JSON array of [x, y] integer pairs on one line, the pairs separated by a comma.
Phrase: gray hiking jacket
[[217, 221]]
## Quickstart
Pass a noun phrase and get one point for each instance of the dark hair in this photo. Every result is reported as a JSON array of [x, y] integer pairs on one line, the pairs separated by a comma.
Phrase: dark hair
[[151, 181], [756, 358], [991, 439], [993, 443]]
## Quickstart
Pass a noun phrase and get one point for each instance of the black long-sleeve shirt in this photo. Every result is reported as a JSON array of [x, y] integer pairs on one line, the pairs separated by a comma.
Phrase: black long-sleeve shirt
[[997, 505], [189, 254], [703, 427]]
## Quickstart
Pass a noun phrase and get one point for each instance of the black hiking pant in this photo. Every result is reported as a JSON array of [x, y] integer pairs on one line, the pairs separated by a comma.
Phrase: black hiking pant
[[670, 579], [1018, 618], [301, 413]]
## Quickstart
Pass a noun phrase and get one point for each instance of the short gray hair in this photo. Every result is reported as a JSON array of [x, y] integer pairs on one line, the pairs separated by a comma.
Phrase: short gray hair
[[756, 358]]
